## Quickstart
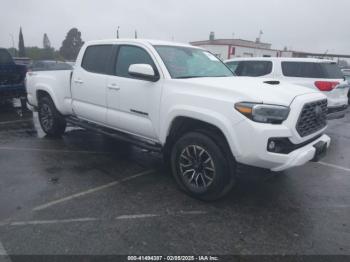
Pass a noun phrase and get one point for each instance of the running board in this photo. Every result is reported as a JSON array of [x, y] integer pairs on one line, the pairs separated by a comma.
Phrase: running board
[[135, 140]]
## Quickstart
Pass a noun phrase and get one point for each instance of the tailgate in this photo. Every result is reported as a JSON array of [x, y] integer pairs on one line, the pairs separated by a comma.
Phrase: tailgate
[[11, 75], [340, 92]]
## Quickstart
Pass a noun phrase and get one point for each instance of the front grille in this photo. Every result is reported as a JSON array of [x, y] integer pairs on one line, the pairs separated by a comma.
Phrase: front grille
[[313, 117]]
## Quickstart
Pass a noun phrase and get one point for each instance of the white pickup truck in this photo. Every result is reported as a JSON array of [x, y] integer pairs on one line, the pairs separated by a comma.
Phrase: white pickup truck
[[184, 102]]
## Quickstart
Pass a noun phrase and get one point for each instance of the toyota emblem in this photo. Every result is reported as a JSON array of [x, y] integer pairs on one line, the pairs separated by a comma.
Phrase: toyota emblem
[[318, 111]]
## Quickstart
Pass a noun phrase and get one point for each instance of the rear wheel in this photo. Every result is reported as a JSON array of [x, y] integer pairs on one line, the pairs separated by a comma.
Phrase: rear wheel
[[51, 121], [201, 166]]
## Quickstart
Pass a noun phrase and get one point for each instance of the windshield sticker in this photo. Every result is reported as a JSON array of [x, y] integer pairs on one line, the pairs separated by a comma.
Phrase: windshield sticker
[[211, 57]]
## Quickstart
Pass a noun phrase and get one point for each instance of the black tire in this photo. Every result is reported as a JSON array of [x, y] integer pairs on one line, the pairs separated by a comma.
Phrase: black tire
[[51, 121], [200, 146]]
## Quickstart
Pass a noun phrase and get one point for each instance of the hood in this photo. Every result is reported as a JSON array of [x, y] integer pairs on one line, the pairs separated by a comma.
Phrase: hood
[[251, 89]]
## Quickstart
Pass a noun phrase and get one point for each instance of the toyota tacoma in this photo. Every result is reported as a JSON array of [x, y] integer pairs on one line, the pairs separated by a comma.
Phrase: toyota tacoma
[[184, 102]]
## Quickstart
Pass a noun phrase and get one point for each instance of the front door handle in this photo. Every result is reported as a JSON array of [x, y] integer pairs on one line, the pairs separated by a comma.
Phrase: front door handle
[[78, 81], [113, 87]]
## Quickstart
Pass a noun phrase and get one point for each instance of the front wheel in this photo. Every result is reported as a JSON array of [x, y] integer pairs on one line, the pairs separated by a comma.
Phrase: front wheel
[[51, 121], [201, 166]]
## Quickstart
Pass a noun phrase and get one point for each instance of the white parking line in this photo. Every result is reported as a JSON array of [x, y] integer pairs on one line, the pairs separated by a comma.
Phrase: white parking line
[[335, 166], [137, 216], [3, 254], [92, 219], [92, 190], [193, 212], [43, 222], [16, 121], [51, 150], [2, 250]]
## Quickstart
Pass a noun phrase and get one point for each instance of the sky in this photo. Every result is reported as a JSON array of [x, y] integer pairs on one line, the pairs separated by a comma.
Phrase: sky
[[301, 25]]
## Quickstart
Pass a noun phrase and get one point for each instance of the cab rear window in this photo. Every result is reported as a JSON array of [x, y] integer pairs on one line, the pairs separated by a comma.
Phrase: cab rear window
[[97, 59], [311, 70]]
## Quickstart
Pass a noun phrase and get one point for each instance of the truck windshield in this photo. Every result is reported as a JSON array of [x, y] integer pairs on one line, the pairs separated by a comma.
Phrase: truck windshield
[[5, 57], [187, 62]]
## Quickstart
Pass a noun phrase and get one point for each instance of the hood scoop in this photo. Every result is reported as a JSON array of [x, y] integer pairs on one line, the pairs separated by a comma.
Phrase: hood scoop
[[272, 82]]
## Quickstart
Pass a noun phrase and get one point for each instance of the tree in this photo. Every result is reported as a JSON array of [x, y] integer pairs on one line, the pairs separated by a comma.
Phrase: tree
[[21, 49], [46, 42], [37, 53], [71, 45]]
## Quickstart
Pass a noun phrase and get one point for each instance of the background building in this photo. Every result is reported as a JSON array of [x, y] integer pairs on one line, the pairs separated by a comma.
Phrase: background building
[[230, 48]]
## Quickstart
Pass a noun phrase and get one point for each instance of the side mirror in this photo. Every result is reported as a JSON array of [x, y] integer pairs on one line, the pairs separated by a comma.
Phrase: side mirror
[[143, 71]]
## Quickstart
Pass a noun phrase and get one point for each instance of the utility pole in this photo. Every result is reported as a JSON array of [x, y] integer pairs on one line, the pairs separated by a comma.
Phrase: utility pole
[[258, 40], [118, 32], [13, 45]]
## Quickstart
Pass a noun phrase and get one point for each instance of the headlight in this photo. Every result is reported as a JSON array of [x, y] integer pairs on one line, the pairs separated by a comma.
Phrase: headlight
[[262, 113]]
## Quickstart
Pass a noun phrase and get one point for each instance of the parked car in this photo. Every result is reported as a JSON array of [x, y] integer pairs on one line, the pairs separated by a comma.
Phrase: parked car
[[22, 61], [48, 65], [11, 78], [184, 102], [316, 74], [346, 73], [72, 64]]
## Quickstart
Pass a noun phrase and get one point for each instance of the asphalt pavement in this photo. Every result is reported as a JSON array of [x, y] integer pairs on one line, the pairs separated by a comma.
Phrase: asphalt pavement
[[88, 194]]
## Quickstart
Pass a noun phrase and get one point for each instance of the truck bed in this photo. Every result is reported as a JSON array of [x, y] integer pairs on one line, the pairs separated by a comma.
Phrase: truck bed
[[55, 83]]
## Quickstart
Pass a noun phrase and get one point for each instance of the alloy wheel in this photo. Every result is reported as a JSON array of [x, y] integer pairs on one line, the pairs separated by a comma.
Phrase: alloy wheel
[[46, 117], [197, 167]]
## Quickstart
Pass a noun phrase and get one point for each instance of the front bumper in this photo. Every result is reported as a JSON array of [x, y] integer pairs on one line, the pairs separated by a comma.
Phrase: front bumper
[[302, 155], [251, 140], [337, 112], [254, 148]]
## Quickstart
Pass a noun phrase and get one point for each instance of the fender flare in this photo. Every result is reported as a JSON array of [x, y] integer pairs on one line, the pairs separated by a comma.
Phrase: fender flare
[[216, 119], [47, 89]]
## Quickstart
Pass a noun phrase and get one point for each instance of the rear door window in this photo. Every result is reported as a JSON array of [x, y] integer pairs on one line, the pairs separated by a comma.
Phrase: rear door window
[[97, 59], [311, 70], [253, 68]]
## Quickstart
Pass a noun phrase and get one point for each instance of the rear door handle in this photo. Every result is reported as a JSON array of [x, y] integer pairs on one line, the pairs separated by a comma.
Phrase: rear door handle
[[113, 87], [78, 81]]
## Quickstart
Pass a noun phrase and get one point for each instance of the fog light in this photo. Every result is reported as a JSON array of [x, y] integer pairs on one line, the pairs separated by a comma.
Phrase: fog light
[[271, 145]]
